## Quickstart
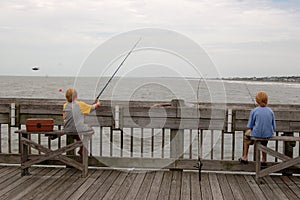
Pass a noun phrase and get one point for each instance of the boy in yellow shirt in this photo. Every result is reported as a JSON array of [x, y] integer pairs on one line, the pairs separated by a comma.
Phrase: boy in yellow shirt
[[73, 114]]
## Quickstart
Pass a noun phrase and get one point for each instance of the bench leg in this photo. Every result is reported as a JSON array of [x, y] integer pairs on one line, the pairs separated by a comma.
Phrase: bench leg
[[85, 156], [24, 156], [257, 161]]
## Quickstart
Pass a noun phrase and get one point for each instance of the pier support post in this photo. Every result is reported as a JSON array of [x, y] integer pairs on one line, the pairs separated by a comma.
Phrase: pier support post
[[177, 135]]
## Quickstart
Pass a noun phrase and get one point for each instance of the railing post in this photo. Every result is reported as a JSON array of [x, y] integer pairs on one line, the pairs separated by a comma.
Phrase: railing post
[[288, 151], [177, 136]]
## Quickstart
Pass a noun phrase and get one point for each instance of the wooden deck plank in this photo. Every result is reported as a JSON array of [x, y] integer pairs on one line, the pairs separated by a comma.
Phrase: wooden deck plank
[[66, 183], [15, 181], [75, 186], [92, 177], [124, 188], [276, 192], [175, 189], [96, 185], [45, 185], [115, 186], [31, 184], [135, 186], [164, 191], [145, 186], [6, 170], [225, 188], [195, 186], [235, 187], [8, 173], [106, 185], [55, 185], [205, 187], [245, 188], [257, 192], [185, 186], [285, 189], [291, 184], [155, 186], [215, 187]]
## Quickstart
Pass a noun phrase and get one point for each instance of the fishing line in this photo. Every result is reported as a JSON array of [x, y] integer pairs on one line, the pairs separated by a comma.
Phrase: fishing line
[[106, 84], [252, 99]]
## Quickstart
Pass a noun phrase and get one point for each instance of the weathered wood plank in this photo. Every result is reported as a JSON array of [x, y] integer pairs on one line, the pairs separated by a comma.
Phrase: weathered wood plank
[[165, 186], [51, 183], [31, 184], [257, 192], [205, 187], [115, 186], [132, 192], [155, 186], [96, 185], [245, 188], [124, 188], [185, 186], [5, 173], [100, 193], [80, 187], [225, 188], [284, 188], [65, 186], [275, 192], [175, 185], [15, 181], [56, 184], [195, 186], [45, 186], [145, 186], [215, 186], [235, 187], [291, 185]]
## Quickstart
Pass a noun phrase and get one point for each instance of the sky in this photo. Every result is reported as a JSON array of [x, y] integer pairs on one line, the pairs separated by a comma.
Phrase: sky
[[242, 38]]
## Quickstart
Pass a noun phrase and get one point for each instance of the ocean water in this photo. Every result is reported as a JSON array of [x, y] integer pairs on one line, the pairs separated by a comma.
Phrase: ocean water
[[149, 89]]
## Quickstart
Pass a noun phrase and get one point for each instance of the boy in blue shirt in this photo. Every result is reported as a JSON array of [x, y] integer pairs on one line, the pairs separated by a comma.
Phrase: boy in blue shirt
[[261, 124]]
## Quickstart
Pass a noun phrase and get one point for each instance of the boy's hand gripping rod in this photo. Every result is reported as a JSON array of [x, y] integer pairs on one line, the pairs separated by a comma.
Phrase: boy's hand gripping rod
[[104, 87]]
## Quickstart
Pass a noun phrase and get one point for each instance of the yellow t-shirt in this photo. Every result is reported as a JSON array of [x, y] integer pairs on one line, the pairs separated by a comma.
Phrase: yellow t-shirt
[[84, 108]]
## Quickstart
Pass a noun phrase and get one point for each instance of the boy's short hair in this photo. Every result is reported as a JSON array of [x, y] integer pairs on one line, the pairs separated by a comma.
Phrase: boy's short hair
[[262, 98], [71, 94]]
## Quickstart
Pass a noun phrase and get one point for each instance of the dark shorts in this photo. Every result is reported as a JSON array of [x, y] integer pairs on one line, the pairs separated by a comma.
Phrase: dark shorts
[[247, 139]]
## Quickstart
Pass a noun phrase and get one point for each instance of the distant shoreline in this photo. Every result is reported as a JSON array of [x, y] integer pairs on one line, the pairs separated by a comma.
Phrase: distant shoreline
[[285, 79]]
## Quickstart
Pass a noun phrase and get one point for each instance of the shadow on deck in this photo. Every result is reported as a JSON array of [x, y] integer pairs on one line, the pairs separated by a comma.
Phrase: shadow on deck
[[66, 183]]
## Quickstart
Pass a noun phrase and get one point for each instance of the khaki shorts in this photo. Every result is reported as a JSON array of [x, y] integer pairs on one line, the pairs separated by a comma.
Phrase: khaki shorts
[[247, 139]]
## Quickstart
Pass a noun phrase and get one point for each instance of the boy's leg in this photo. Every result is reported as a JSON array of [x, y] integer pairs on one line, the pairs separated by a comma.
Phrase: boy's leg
[[245, 152], [247, 142]]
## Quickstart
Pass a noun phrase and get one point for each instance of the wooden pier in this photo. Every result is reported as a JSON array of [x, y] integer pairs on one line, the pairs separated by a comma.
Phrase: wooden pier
[[169, 137], [66, 183]]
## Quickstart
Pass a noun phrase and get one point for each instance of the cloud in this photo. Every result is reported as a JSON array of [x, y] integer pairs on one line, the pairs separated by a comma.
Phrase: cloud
[[77, 27]]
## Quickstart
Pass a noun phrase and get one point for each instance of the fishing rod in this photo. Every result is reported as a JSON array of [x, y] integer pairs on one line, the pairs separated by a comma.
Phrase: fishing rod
[[104, 87]]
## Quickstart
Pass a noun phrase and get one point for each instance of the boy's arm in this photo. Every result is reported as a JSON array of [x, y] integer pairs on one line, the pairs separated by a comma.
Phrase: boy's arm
[[87, 108]]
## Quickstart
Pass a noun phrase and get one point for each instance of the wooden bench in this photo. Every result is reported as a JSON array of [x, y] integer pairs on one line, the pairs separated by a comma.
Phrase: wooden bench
[[26, 142], [286, 160]]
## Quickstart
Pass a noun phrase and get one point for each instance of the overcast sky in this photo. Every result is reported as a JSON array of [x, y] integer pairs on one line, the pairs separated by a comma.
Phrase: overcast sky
[[241, 37]]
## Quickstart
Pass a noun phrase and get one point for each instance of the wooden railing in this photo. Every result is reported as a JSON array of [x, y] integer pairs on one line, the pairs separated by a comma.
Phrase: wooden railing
[[152, 134]]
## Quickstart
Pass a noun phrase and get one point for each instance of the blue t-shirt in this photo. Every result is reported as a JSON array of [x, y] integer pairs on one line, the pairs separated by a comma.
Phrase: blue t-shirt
[[261, 122]]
